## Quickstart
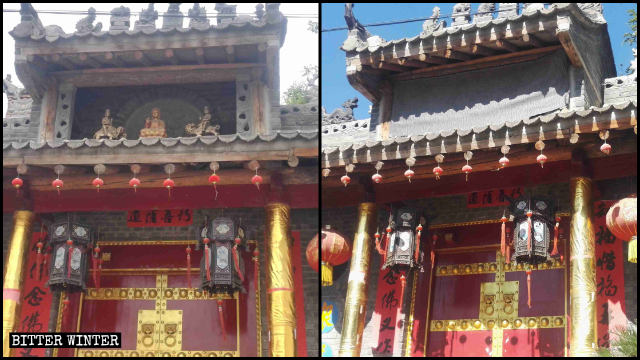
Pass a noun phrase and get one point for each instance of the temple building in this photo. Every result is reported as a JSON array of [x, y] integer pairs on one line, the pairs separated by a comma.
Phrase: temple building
[[488, 205], [154, 186]]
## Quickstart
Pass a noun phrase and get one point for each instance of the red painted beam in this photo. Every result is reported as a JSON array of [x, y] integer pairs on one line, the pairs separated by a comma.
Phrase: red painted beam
[[196, 197]]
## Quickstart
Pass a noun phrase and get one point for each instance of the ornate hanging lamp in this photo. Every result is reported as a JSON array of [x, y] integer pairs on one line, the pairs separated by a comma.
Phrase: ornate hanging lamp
[[71, 246], [622, 221], [221, 266], [402, 245], [57, 183], [97, 182], [335, 251]]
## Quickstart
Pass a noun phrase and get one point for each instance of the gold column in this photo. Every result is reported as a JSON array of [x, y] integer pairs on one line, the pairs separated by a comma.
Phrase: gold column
[[356, 300], [281, 302], [583, 270], [13, 275]]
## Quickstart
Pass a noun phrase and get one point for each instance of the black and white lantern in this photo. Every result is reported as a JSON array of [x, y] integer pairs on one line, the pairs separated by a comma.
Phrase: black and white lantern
[[71, 243], [221, 267], [534, 221], [403, 239]]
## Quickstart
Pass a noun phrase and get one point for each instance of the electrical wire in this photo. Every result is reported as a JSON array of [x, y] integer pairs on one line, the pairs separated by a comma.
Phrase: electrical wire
[[404, 21]]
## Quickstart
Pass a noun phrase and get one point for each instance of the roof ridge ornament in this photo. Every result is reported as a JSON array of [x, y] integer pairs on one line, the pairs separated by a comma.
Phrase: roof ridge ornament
[[226, 13], [433, 23], [147, 20], [85, 25], [461, 14], [120, 18], [172, 19], [198, 17], [593, 11], [358, 34], [30, 24], [506, 10]]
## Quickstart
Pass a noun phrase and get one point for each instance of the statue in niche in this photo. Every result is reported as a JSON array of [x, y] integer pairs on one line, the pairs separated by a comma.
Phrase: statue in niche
[[108, 131], [433, 23], [203, 127], [85, 25], [153, 126], [147, 19]]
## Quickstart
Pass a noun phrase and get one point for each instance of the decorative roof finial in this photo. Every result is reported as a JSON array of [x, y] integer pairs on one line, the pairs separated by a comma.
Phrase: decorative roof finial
[[120, 18], [147, 19], [198, 17], [433, 23], [172, 19], [85, 25]]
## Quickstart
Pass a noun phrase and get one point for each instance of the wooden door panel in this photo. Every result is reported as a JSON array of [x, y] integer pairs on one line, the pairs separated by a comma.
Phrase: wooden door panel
[[114, 316]]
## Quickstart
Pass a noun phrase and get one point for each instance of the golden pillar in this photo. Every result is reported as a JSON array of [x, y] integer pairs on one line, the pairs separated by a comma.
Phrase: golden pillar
[[356, 302], [583, 270], [281, 303], [13, 275]]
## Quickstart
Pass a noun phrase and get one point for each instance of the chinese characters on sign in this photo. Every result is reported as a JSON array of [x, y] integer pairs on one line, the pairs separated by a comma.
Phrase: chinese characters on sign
[[169, 217], [387, 306], [489, 198], [35, 301], [609, 276]]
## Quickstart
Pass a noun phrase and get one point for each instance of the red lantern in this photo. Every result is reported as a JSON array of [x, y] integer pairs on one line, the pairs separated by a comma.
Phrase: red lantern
[[256, 180], [169, 184], [541, 159], [17, 183], [437, 171], [467, 170], [97, 182], [504, 161], [214, 179], [312, 253], [335, 251], [605, 148], [58, 184], [377, 178], [345, 179], [622, 221], [409, 174], [134, 183]]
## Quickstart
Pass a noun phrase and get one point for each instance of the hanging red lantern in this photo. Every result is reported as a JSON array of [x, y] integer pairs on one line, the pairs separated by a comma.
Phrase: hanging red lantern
[[97, 182], [17, 183], [542, 158], [377, 178], [312, 253], [504, 161], [335, 251], [409, 174], [169, 184], [622, 221], [256, 180], [134, 183], [437, 171], [58, 184], [605, 148], [214, 179], [345, 179], [467, 168]]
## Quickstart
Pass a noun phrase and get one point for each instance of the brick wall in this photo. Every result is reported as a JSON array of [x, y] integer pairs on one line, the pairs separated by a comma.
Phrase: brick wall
[[113, 227]]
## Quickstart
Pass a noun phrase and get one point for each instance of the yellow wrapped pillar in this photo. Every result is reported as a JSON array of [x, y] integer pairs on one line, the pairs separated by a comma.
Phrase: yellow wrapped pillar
[[281, 302], [14, 274], [356, 301], [583, 270]]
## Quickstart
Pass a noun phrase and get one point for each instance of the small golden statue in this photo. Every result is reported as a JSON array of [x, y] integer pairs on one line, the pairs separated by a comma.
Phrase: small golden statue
[[153, 126], [203, 127], [108, 131]]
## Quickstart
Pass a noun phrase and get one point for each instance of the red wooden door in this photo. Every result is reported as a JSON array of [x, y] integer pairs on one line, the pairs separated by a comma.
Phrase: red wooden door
[[144, 295], [479, 303]]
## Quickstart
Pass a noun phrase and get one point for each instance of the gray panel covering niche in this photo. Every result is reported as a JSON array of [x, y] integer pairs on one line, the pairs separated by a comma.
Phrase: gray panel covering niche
[[479, 98]]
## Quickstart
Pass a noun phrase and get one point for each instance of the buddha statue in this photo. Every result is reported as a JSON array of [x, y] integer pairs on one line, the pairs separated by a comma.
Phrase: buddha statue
[[153, 126], [108, 131], [203, 127]]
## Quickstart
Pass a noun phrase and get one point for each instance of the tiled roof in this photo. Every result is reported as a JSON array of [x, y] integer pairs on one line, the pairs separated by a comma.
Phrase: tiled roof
[[165, 142], [557, 125]]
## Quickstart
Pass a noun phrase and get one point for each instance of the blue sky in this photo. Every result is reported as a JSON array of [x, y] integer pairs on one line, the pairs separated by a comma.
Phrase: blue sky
[[336, 88]]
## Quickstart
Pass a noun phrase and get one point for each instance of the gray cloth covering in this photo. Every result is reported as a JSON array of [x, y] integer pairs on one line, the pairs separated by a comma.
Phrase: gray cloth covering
[[482, 97]]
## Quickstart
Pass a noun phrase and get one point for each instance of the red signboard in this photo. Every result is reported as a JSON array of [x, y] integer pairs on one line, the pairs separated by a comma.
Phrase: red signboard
[[299, 296], [169, 217], [489, 198], [35, 300], [609, 276], [387, 311]]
